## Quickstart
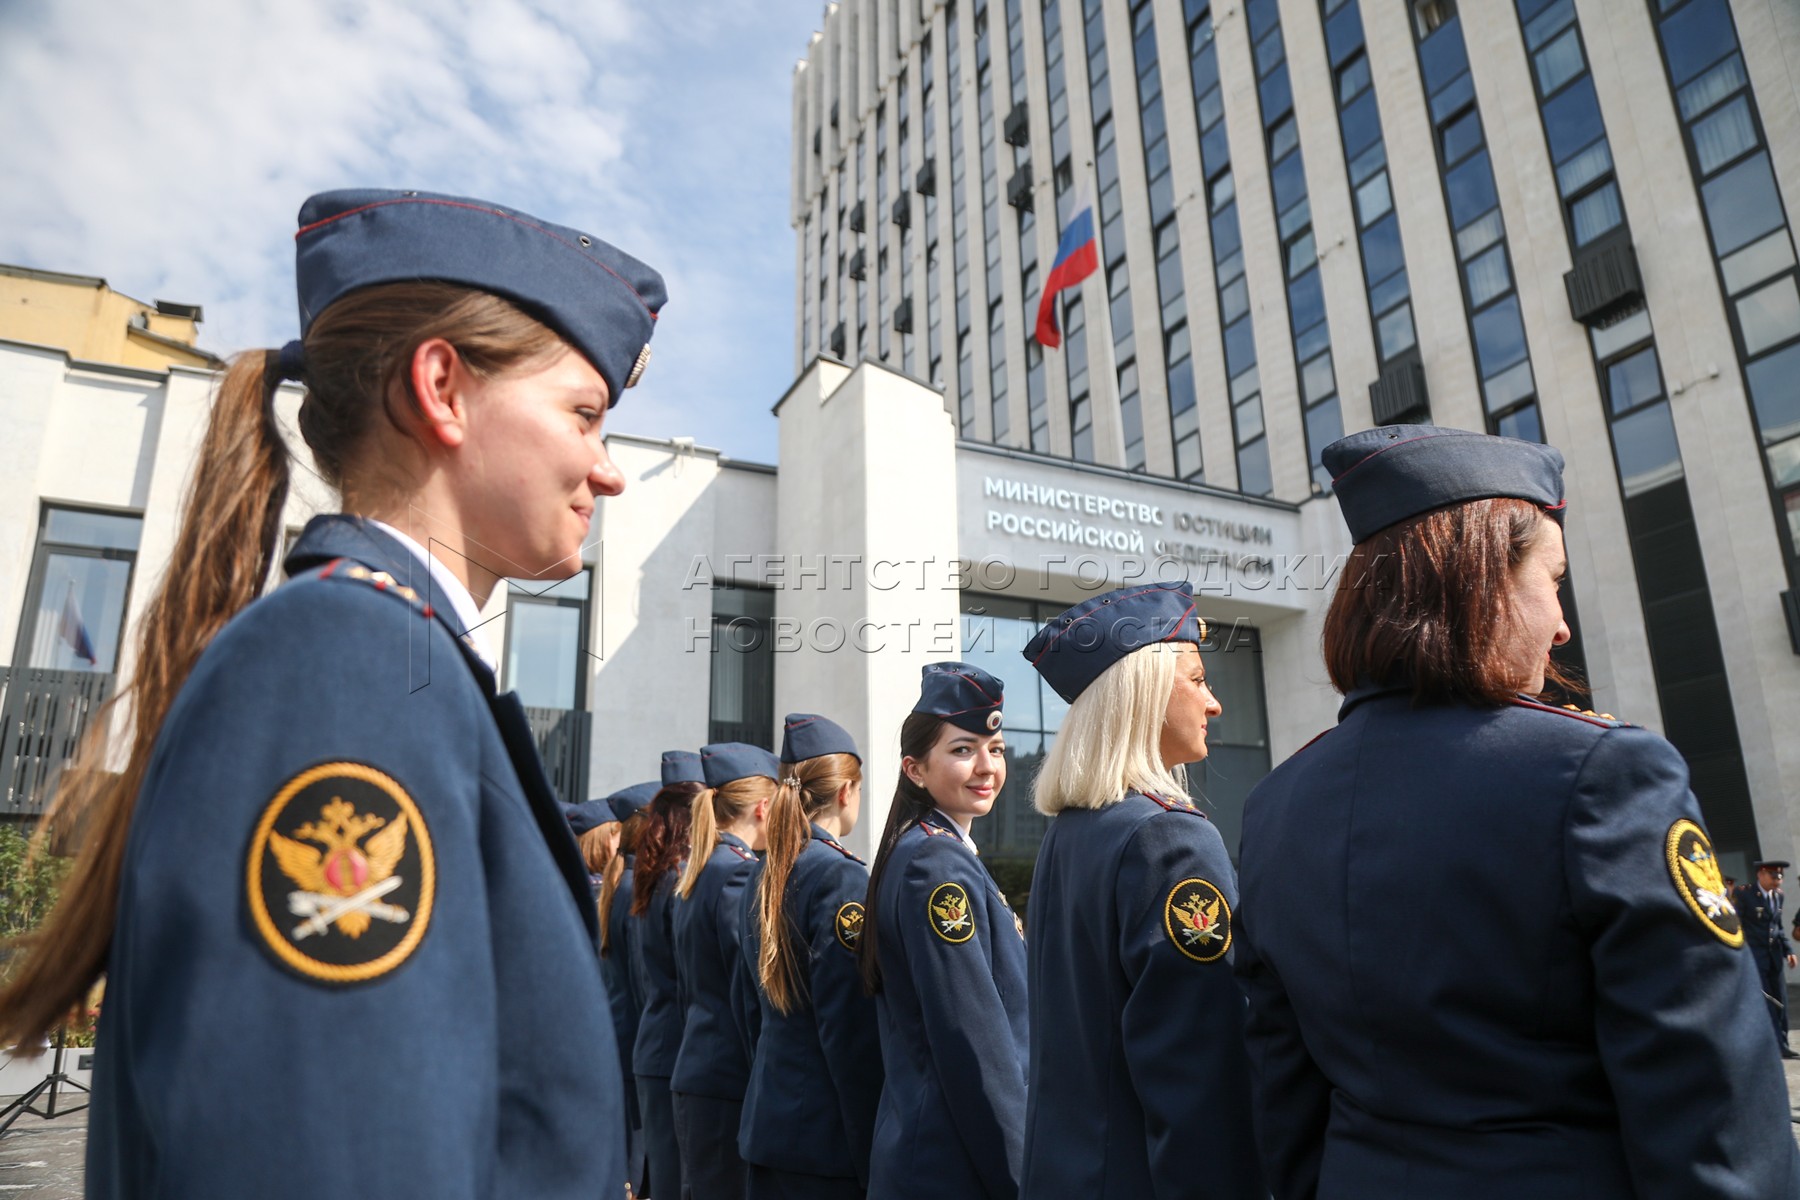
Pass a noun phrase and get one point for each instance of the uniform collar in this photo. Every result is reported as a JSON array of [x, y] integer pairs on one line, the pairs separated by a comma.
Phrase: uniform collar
[[948, 826], [462, 601], [375, 544], [1368, 691], [734, 839]]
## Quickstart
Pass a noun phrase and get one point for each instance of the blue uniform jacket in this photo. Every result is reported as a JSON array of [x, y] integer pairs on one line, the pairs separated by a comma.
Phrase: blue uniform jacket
[[1765, 933], [953, 1024], [1488, 955], [619, 968], [815, 1073], [1140, 1086], [665, 1014], [356, 949], [713, 1061]]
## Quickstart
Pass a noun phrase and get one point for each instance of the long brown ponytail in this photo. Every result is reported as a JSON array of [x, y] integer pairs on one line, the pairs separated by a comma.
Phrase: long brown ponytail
[[713, 809], [615, 871], [357, 353], [809, 791], [224, 552], [918, 734], [664, 842]]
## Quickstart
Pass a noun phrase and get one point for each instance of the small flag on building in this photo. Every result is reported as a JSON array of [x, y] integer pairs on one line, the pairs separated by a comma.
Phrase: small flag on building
[[1077, 257], [74, 632]]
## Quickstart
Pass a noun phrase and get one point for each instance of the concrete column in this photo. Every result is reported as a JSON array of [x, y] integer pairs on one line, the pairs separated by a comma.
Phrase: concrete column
[[874, 492]]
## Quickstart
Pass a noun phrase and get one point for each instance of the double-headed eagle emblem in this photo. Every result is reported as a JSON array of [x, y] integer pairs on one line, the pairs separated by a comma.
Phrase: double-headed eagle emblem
[[341, 880], [1694, 870], [1197, 921], [950, 915]]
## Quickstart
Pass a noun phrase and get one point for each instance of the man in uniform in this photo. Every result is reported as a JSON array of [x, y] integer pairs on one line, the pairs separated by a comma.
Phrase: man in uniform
[[1759, 909]]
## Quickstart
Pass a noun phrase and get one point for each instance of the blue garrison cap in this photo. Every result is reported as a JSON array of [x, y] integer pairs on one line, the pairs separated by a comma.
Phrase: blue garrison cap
[[629, 802], [1383, 476], [964, 695], [681, 766], [728, 761], [1075, 648], [583, 817], [600, 299], [808, 735]]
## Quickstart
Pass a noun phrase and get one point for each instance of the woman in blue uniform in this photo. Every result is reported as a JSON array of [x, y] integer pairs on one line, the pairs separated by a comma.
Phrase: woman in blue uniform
[[1139, 1083], [945, 957], [714, 1063], [661, 853], [332, 890], [618, 960], [815, 1075], [1485, 938]]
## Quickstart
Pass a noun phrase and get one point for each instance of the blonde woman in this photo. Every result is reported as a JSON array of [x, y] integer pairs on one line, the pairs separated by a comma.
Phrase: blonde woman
[[713, 1065], [815, 1075], [1139, 1080]]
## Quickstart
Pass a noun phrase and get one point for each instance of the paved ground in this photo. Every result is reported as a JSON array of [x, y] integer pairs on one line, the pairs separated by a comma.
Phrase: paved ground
[[43, 1159]]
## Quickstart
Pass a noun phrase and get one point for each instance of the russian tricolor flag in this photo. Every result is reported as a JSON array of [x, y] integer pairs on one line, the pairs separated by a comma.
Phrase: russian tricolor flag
[[1077, 257]]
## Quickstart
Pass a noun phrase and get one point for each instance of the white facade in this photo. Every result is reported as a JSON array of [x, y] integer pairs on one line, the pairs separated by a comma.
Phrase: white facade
[[1681, 595]]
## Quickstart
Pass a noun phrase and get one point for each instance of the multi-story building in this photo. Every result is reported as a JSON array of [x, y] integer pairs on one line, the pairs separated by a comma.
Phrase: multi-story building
[[1565, 220]]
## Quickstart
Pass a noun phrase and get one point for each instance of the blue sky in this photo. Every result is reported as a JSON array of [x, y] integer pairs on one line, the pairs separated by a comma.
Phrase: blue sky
[[167, 147]]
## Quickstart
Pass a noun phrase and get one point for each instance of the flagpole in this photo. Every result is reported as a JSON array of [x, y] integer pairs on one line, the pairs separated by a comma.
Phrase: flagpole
[[1112, 353]]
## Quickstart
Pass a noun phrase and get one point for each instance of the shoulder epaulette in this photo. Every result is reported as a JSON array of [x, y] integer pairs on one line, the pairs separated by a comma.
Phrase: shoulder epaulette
[[839, 847], [1186, 806], [381, 581], [738, 850], [1315, 737], [931, 830], [1603, 720]]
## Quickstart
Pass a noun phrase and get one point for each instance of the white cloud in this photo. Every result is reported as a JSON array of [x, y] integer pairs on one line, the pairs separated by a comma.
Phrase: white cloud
[[168, 147]]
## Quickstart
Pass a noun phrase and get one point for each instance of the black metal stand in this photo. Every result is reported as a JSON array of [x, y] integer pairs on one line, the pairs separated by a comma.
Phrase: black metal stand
[[52, 1083]]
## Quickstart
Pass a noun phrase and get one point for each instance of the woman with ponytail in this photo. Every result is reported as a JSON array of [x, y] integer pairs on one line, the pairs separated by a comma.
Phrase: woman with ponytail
[[618, 960], [815, 1075], [714, 1062], [945, 956], [333, 894], [661, 853]]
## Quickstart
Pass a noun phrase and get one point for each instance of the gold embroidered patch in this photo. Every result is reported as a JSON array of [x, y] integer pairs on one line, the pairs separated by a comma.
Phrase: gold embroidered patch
[[1198, 920], [849, 925], [1697, 878], [951, 917], [341, 877]]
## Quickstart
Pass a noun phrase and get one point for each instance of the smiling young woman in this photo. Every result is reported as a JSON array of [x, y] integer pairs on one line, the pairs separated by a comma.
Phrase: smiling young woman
[[1134, 1010], [333, 900], [945, 956], [1486, 943]]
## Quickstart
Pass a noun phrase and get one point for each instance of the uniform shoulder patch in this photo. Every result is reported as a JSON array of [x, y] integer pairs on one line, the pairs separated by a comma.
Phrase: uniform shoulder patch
[[849, 924], [1588, 715], [1198, 920], [1696, 875], [1173, 805], [952, 917], [381, 581], [841, 849], [341, 876]]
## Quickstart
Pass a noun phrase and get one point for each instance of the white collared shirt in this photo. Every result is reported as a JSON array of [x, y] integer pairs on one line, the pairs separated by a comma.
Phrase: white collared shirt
[[447, 585]]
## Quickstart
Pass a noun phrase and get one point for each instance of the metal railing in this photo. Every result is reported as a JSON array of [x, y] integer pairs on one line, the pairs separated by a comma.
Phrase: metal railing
[[43, 714]]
